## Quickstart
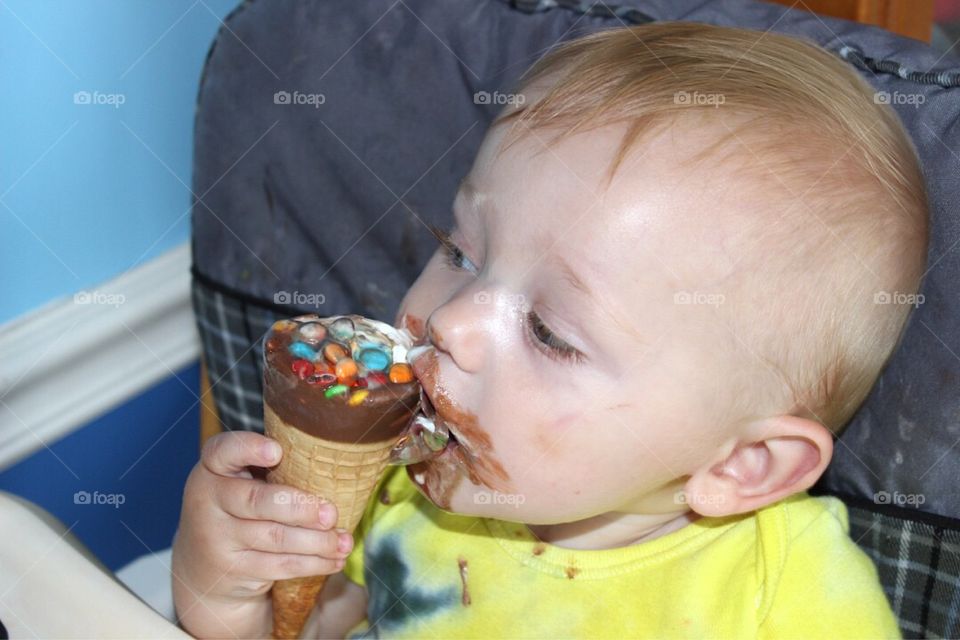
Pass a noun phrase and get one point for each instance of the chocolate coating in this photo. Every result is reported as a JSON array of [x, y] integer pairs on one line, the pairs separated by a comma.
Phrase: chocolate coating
[[381, 416]]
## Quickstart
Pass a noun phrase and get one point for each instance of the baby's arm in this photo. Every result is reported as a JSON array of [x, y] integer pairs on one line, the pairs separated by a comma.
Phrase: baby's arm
[[238, 535]]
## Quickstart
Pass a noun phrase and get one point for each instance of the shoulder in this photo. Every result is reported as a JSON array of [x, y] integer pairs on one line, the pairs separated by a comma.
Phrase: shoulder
[[815, 577]]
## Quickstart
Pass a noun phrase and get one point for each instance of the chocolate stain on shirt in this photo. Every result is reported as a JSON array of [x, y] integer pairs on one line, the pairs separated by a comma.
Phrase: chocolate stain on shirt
[[539, 548], [384, 497], [572, 572], [465, 596]]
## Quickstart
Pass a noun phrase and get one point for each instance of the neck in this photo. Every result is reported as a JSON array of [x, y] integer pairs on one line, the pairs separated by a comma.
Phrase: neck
[[611, 530]]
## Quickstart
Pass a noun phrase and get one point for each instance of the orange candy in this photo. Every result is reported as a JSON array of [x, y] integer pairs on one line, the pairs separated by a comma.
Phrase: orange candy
[[346, 371], [400, 373], [334, 352]]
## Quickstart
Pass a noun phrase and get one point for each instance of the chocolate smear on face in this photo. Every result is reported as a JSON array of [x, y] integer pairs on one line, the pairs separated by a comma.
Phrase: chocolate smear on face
[[476, 449]]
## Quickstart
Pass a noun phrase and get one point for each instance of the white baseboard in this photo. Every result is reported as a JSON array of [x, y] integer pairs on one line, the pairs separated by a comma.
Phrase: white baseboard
[[74, 359]]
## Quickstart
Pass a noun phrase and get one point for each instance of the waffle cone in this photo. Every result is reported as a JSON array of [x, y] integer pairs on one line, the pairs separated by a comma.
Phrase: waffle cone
[[342, 473]]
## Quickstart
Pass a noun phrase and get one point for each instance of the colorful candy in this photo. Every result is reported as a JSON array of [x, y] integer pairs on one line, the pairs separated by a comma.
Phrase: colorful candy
[[303, 368], [282, 326], [324, 379], [377, 377], [342, 329], [342, 357], [333, 352], [357, 397], [313, 332], [346, 370], [401, 373], [374, 358], [335, 390], [303, 350]]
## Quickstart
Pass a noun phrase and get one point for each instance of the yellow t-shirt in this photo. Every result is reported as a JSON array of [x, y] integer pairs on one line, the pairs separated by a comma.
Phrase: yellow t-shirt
[[789, 570]]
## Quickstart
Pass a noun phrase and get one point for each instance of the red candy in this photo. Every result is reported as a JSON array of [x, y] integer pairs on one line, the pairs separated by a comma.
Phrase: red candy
[[303, 368], [376, 376], [324, 379]]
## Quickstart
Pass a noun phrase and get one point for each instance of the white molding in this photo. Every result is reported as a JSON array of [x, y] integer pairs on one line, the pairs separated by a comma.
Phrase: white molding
[[76, 358]]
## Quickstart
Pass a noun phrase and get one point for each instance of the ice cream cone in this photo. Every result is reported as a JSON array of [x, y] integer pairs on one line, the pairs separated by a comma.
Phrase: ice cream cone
[[344, 474], [336, 440]]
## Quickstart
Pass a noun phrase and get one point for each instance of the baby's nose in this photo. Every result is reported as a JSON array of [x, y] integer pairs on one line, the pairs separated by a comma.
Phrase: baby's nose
[[460, 328]]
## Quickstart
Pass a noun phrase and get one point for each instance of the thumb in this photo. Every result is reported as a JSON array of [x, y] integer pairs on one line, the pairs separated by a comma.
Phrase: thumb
[[231, 452]]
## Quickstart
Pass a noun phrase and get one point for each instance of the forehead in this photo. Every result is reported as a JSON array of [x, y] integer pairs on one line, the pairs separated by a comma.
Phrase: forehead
[[659, 217]]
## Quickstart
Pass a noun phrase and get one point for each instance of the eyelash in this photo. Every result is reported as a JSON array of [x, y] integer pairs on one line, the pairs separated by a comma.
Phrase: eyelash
[[544, 338], [453, 255]]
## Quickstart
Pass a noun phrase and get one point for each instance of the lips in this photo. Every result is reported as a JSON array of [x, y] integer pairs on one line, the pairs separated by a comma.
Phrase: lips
[[430, 411], [429, 434]]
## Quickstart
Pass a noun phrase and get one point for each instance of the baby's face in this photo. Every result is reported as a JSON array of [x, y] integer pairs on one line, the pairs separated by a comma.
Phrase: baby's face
[[575, 381]]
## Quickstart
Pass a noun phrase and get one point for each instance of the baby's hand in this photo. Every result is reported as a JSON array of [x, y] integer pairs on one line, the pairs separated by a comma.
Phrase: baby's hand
[[238, 533]]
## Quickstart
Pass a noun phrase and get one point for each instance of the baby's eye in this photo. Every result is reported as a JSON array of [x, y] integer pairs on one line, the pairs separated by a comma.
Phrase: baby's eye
[[549, 343], [453, 255]]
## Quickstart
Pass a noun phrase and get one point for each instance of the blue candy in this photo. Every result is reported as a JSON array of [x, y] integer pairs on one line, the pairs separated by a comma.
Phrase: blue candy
[[374, 359], [303, 350]]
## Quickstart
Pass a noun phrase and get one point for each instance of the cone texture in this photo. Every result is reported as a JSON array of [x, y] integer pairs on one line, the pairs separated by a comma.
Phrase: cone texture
[[342, 473]]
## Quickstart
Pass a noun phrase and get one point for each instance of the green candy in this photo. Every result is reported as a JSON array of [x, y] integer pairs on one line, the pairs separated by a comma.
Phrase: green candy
[[335, 390]]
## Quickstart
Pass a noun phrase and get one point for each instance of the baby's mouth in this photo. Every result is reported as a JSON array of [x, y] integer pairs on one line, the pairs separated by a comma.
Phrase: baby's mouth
[[428, 435]]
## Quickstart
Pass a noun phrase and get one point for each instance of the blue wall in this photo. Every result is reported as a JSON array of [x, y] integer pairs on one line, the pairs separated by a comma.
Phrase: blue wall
[[88, 191], [97, 128], [137, 499]]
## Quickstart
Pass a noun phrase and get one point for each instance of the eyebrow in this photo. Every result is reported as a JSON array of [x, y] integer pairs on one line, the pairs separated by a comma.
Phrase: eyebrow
[[468, 193], [571, 277]]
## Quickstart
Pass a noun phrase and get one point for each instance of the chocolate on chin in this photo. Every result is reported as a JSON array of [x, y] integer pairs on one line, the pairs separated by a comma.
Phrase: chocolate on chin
[[338, 393]]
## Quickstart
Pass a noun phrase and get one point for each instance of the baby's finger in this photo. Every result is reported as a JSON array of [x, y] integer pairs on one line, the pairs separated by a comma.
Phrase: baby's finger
[[283, 566], [258, 500], [231, 452], [274, 537]]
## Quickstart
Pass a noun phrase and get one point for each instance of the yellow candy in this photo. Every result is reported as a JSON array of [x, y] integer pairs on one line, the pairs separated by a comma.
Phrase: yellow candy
[[281, 326], [358, 397]]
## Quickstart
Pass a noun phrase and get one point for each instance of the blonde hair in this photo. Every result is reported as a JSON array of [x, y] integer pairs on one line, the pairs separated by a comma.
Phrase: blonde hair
[[802, 109]]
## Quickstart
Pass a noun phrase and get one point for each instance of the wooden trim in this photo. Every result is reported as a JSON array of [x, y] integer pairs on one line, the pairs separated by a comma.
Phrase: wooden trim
[[911, 18], [209, 419], [76, 358]]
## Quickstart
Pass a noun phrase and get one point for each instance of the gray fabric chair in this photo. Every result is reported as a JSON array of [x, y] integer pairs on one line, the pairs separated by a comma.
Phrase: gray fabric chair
[[331, 202]]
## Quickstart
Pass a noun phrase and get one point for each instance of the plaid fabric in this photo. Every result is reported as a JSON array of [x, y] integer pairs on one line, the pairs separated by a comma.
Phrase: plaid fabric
[[918, 558], [916, 554], [231, 333]]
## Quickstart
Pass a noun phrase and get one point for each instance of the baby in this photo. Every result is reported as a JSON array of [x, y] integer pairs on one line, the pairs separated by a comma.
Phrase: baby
[[661, 300]]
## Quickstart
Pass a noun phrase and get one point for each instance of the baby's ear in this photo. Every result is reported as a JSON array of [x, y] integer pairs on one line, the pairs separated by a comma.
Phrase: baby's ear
[[776, 457]]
